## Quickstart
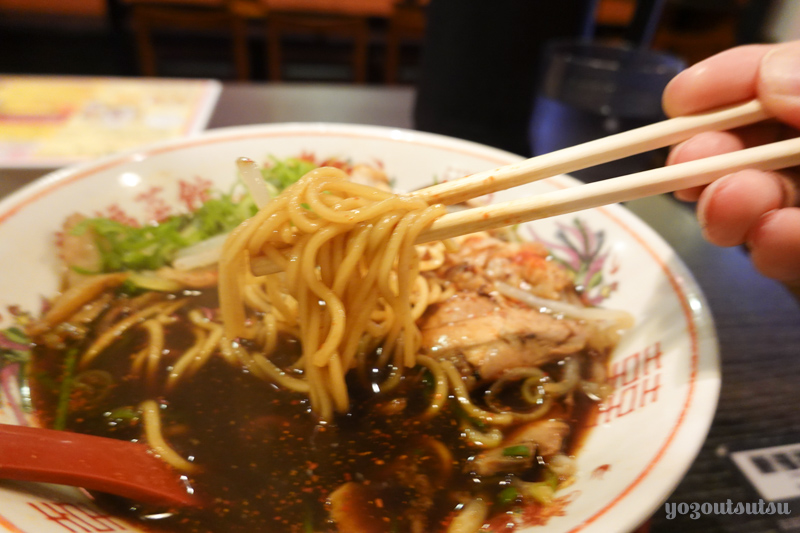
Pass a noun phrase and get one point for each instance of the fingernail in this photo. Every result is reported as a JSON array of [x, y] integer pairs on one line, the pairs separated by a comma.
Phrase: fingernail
[[705, 198], [786, 188], [780, 70]]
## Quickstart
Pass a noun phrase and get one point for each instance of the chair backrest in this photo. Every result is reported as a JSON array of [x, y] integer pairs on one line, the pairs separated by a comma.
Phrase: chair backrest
[[178, 3], [91, 8], [230, 15], [363, 8]]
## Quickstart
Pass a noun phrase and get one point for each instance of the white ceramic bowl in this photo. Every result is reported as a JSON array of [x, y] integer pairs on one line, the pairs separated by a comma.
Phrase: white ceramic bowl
[[666, 369]]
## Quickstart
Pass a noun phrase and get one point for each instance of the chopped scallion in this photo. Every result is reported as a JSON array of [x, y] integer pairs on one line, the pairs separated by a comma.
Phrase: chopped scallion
[[507, 496], [67, 379], [517, 451]]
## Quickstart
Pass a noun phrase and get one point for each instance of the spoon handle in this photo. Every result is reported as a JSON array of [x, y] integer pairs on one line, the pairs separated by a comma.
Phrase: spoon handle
[[107, 465]]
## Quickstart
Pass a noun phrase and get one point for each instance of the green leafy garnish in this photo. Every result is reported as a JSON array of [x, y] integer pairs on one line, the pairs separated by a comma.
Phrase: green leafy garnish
[[517, 451], [15, 349], [462, 416], [149, 247], [14, 334], [507, 496], [14, 346], [284, 172], [82, 271]]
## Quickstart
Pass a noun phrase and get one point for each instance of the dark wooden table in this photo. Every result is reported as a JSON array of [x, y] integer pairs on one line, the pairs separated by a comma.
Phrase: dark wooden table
[[758, 320]]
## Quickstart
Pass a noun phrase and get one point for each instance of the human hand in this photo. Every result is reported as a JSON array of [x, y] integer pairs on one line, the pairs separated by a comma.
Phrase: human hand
[[756, 208]]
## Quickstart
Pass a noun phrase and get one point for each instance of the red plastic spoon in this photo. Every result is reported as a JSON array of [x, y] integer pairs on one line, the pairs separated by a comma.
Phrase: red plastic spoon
[[96, 463]]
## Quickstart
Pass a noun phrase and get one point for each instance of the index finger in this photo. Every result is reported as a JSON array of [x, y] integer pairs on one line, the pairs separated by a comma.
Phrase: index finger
[[724, 79]]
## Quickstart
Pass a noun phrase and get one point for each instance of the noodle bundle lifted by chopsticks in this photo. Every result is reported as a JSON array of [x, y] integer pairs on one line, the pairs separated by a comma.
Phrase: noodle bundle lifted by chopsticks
[[349, 287]]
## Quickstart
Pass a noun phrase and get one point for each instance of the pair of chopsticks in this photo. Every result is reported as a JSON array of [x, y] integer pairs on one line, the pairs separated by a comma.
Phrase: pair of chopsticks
[[773, 156]]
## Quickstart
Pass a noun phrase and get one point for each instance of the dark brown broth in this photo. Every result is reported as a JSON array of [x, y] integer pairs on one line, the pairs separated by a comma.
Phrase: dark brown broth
[[267, 464]]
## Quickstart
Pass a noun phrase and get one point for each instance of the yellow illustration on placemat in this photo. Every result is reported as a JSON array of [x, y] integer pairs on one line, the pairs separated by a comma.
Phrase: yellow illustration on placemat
[[52, 121]]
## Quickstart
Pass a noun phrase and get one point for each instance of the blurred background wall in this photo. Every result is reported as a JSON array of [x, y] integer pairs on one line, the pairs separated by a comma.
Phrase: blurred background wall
[[100, 36]]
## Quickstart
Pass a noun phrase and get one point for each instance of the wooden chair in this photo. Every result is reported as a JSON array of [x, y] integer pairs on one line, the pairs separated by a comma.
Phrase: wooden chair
[[231, 15], [281, 23], [407, 21], [327, 18]]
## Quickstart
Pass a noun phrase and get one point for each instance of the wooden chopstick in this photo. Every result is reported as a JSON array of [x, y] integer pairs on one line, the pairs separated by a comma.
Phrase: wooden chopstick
[[773, 156], [611, 148], [661, 180]]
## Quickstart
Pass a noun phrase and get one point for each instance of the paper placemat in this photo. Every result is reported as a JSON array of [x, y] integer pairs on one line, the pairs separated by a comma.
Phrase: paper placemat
[[48, 122]]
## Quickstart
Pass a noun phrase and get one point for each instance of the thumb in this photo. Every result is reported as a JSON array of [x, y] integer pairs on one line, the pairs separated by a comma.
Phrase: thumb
[[779, 82]]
